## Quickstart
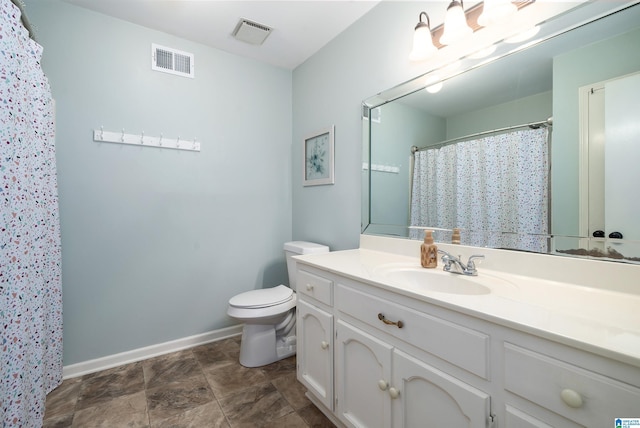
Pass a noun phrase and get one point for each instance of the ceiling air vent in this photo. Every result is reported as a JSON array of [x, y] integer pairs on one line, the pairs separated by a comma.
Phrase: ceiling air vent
[[251, 32], [173, 61]]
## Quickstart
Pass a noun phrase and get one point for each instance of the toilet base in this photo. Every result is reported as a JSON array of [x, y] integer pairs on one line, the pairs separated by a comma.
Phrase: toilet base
[[259, 345]]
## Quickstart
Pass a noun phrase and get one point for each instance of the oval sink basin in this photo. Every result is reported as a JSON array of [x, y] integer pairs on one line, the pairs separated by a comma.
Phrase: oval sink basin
[[438, 281]]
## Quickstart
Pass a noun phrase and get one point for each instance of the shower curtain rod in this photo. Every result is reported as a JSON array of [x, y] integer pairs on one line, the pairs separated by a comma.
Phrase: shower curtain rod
[[533, 125]]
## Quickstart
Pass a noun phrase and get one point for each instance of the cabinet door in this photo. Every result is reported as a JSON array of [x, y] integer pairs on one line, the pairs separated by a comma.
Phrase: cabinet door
[[315, 351], [363, 373], [428, 397]]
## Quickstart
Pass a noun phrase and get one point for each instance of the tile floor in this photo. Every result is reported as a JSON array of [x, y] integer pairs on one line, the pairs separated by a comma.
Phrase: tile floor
[[199, 387]]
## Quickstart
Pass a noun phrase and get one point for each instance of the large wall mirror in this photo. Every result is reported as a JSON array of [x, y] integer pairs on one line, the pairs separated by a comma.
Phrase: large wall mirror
[[536, 149]]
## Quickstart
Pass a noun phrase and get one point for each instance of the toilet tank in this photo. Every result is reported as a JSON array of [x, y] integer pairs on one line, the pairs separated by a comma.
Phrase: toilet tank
[[295, 248]]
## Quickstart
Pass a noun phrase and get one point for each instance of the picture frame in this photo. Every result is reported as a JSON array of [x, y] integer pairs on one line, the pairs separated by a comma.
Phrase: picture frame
[[318, 158]]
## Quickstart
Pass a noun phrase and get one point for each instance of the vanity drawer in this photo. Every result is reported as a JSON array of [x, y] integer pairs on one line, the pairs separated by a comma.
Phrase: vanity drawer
[[456, 344], [585, 397], [314, 286]]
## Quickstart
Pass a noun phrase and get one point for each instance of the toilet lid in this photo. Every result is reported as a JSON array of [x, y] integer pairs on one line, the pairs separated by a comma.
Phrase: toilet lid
[[262, 298]]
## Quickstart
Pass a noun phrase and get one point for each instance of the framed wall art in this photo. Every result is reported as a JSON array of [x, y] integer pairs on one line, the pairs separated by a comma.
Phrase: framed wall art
[[318, 158]]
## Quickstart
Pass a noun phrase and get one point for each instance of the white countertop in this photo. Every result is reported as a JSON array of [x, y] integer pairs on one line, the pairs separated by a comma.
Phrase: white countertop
[[595, 319]]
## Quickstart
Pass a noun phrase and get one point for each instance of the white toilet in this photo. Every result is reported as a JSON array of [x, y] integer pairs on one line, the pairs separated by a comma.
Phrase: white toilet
[[268, 314]]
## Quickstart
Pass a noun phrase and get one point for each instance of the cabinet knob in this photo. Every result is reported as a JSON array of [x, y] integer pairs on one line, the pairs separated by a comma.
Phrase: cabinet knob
[[394, 393], [309, 287], [382, 384], [324, 345], [571, 398]]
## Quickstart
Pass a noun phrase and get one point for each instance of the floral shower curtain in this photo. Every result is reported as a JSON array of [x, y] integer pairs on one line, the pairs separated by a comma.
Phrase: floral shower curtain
[[30, 255], [486, 186]]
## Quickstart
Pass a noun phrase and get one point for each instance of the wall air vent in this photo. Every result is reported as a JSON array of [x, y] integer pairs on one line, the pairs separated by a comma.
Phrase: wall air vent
[[251, 32], [173, 61]]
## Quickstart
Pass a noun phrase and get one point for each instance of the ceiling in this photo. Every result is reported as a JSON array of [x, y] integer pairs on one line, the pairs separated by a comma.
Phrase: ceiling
[[300, 27]]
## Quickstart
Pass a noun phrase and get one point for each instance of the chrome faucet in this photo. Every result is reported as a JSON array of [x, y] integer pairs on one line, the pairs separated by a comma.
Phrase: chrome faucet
[[455, 265]]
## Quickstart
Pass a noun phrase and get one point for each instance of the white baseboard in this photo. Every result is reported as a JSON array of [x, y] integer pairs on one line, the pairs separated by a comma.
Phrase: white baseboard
[[91, 366]]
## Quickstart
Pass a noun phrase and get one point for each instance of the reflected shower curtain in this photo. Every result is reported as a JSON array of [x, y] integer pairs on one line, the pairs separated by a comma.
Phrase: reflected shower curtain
[[30, 256], [486, 187]]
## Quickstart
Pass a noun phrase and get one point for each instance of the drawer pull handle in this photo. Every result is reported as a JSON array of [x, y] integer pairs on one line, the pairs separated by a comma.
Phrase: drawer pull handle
[[394, 393], [383, 385], [324, 345], [309, 287], [571, 398], [381, 317]]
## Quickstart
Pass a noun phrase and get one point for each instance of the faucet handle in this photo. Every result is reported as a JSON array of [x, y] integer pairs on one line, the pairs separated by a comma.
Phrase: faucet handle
[[471, 266], [447, 259]]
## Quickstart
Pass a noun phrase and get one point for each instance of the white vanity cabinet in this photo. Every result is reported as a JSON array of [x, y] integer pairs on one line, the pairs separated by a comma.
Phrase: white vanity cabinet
[[374, 357], [549, 384], [379, 383], [314, 325]]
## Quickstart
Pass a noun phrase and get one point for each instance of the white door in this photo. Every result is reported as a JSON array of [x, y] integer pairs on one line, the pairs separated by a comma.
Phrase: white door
[[622, 157], [315, 351], [363, 373], [609, 192], [428, 397]]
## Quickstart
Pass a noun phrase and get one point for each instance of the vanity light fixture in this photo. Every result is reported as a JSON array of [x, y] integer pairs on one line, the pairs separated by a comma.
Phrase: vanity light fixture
[[423, 47], [496, 12], [455, 24], [459, 23]]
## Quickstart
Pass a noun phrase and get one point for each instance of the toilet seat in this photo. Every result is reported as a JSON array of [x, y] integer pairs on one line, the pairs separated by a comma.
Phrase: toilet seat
[[262, 298]]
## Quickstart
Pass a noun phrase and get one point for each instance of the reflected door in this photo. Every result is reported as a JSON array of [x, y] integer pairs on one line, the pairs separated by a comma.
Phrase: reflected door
[[622, 157], [610, 185]]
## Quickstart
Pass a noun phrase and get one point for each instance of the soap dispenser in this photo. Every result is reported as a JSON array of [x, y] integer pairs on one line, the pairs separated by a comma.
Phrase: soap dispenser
[[428, 251], [455, 236]]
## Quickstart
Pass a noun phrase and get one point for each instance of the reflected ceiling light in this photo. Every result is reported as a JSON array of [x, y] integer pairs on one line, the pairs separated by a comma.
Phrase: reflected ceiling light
[[433, 83], [484, 52], [455, 24], [524, 35], [496, 12], [435, 88], [423, 47]]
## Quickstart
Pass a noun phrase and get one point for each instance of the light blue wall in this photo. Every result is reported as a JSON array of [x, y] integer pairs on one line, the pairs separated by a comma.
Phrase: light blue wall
[[400, 128], [533, 108], [156, 241], [368, 57], [591, 64]]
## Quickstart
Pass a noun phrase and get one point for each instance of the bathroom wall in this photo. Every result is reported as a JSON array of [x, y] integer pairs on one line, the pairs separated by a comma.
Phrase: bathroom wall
[[401, 127], [367, 58], [532, 108], [155, 241]]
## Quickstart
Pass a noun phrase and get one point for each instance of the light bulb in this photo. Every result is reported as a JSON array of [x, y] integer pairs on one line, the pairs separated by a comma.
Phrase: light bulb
[[423, 47], [455, 24], [496, 12]]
